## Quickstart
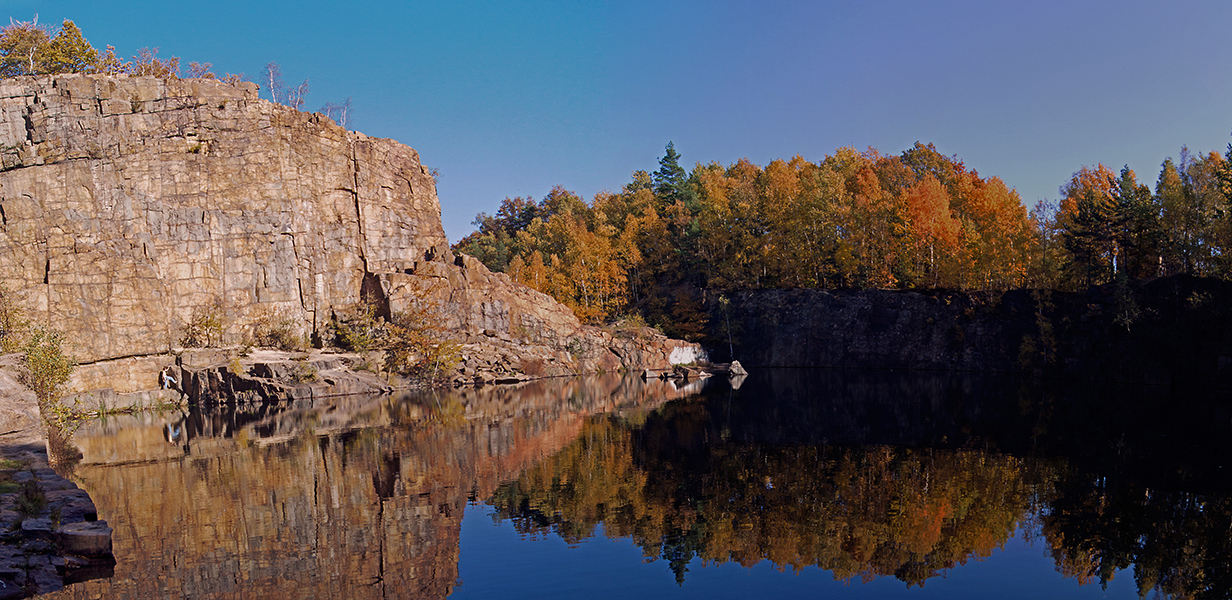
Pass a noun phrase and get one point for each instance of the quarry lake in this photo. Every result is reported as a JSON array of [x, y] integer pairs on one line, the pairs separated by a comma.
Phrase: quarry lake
[[788, 483]]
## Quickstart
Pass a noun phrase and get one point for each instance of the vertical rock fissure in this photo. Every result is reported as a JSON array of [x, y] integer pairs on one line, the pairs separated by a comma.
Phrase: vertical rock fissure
[[28, 117], [359, 216]]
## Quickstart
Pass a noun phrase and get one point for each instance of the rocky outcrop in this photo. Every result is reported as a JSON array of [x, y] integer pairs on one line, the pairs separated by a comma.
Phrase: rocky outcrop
[[511, 331], [873, 329], [130, 204]]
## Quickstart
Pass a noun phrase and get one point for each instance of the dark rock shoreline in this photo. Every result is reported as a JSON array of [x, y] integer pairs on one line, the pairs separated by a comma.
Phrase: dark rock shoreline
[[1177, 330]]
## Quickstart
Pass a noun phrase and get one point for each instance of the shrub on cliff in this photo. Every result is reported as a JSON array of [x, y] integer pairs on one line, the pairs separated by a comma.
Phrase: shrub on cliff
[[48, 368], [357, 328], [413, 345], [271, 330], [12, 322], [28, 48], [206, 327], [417, 349]]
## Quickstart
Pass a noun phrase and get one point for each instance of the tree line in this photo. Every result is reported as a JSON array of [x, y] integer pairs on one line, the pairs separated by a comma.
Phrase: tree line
[[31, 48], [665, 243]]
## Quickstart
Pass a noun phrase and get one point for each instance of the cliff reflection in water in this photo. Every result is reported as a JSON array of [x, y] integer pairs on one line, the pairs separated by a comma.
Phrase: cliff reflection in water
[[360, 499], [862, 474]]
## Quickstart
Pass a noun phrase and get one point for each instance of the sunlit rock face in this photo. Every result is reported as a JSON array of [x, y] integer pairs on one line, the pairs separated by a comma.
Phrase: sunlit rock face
[[129, 204]]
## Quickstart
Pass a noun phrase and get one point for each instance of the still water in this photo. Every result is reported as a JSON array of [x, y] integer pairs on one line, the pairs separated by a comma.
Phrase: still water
[[831, 484]]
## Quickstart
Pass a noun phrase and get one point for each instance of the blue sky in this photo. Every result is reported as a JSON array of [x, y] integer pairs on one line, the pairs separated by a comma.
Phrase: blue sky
[[511, 98]]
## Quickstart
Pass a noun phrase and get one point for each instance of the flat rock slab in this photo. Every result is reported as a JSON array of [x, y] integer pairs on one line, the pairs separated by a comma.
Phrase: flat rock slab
[[86, 538], [36, 528]]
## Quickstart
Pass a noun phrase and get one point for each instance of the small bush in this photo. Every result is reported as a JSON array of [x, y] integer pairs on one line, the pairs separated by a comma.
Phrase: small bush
[[60, 448], [303, 372], [31, 500], [206, 327], [271, 330], [358, 329], [47, 370], [414, 345], [12, 322], [629, 327], [366, 365]]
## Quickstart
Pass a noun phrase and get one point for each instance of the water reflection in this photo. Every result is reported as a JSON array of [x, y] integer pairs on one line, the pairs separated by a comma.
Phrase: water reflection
[[876, 474], [862, 474], [361, 498], [857, 512]]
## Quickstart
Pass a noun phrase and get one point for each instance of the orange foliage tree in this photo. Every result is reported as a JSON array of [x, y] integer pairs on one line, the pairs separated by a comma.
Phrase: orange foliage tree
[[670, 241]]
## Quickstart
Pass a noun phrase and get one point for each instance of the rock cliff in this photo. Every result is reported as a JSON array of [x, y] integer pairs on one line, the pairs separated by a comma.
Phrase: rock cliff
[[1173, 330], [128, 204]]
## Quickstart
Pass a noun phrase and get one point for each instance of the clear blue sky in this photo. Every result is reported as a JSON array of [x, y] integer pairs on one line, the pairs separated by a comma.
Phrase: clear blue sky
[[511, 98]]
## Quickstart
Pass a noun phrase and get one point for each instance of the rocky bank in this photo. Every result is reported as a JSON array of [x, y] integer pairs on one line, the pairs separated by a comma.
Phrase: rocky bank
[[1174, 330]]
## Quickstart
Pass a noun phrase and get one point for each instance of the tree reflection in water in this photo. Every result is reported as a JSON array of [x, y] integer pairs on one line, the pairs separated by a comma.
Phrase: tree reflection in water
[[863, 474], [699, 480], [856, 511]]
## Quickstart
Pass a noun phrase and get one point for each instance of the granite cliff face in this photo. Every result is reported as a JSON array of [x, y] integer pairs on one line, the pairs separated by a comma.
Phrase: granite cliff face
[[128, 203]]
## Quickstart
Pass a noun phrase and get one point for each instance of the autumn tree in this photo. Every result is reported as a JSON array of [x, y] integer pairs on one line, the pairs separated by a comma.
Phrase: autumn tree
[[340, 112], [934, 229], [69, 52], [1209, 212], [147, 63], [23, 45], [278, 90], [878, 227], [999, 236], [1225, 176], [272, 78], [28, 48], [1183, 219], [1089, 220], [661, 245]]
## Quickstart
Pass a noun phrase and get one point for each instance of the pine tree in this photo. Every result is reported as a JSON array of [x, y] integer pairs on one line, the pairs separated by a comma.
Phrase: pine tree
[[669, 181]]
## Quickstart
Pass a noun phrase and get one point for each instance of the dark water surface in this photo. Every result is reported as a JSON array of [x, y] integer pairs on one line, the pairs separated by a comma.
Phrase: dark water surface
[[833, 484]]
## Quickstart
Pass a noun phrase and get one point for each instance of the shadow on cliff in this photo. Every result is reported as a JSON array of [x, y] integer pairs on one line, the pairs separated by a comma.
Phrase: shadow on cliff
[[1174, 330]]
